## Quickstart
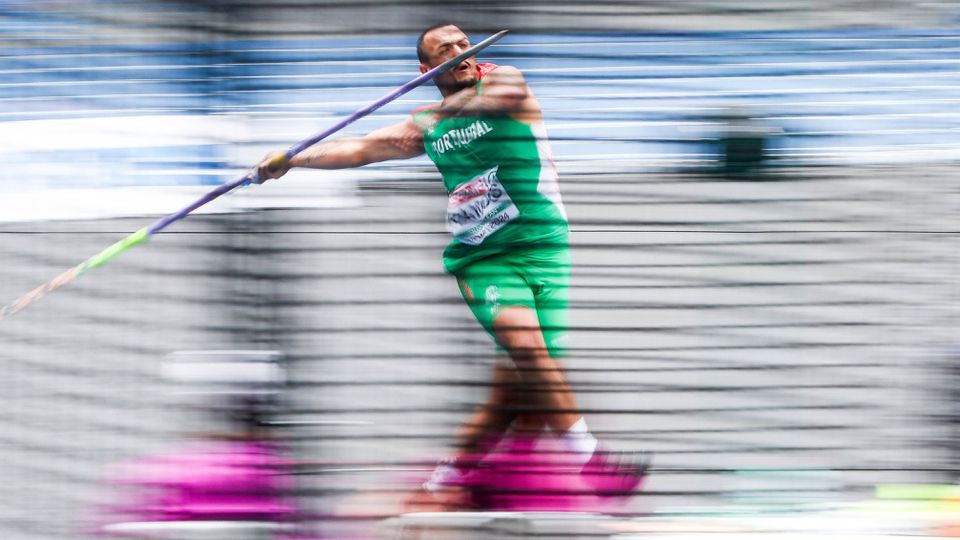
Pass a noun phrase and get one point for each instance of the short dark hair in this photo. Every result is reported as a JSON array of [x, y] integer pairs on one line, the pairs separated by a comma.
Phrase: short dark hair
[[422, 54]]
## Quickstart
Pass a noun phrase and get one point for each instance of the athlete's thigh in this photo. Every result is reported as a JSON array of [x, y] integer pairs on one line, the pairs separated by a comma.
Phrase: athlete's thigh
[[490, 285]]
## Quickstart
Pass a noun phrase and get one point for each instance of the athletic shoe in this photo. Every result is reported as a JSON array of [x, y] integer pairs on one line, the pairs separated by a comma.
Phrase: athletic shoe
[[616, 474], [451, 473]]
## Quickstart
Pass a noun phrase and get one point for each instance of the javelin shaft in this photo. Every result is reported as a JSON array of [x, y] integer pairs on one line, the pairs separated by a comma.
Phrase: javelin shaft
[[252, 177], [144, 234]]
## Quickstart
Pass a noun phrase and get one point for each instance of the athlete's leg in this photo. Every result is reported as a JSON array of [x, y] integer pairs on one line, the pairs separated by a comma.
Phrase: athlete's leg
[[522, 300], [509, 406], [490, 420], [487, 286], [518, 330], [451, 483], [511, 296], [486, 427]]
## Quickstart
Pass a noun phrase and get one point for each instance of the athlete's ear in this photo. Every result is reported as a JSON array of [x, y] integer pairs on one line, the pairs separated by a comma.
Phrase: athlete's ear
[[424, 69]]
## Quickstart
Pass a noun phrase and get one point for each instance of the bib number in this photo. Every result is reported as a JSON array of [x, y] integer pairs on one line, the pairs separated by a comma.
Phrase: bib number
[[478, 208]]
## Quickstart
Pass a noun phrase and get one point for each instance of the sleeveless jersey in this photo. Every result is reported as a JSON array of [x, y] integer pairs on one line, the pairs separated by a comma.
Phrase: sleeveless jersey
[[501, 182]]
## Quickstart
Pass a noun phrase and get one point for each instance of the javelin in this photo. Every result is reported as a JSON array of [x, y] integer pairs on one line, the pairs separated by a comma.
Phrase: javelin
[[145, 233]]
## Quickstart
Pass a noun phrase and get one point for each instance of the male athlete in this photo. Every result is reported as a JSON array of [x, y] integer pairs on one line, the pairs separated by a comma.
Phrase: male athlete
[[509, 253]]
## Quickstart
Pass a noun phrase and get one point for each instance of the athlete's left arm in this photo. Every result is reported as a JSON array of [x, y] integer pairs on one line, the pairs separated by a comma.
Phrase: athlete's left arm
[[504, 92]]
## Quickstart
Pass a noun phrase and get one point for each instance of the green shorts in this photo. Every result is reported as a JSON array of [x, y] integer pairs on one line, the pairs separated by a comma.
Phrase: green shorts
[[538, 279]]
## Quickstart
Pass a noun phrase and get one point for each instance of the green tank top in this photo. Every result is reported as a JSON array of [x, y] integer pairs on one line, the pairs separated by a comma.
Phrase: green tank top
[[502, 187]]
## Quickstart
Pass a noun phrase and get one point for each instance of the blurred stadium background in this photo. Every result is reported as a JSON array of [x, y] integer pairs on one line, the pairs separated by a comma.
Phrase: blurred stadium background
[[762, 195]]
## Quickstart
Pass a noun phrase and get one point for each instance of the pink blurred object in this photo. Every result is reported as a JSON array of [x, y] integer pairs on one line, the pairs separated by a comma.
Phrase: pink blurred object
[[536, 474], [209, 481]]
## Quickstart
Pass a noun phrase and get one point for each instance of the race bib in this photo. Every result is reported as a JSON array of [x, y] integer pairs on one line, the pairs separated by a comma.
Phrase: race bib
[[479, 208]]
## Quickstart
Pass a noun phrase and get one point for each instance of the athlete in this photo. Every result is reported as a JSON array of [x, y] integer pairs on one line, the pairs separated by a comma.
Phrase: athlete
[[509, 252]]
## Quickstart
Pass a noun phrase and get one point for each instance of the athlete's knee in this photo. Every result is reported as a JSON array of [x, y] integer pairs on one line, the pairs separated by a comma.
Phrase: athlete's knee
[[526, 347]]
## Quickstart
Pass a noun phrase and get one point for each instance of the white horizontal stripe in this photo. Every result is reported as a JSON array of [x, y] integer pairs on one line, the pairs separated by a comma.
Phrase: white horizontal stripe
[[666, 41], [732, 65]]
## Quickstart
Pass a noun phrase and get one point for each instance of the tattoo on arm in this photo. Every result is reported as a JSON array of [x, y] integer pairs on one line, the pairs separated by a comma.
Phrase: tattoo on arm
[[394, 142], [328, 155], [307, 157]]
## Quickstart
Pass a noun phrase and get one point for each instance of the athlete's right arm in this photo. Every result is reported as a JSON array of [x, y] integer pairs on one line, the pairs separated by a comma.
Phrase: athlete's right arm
[[399, 141]]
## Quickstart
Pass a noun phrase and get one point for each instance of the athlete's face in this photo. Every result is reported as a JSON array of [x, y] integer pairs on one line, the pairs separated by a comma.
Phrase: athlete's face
[[443, 44]]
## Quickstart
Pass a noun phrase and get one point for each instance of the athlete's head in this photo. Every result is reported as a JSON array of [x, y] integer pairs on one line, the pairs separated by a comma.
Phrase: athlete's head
[[440, 43]]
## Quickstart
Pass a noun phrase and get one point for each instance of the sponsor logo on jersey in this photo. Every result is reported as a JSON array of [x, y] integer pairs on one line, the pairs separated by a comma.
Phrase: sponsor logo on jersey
[[479, 208]]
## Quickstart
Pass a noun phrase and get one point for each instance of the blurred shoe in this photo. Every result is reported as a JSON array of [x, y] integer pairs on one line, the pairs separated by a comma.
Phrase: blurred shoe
[[616, 474], [446, 490], [451, 473]]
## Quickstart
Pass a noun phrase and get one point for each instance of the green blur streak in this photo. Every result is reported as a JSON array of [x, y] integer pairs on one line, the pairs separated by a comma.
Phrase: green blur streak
[[104, 256], [936, 492]]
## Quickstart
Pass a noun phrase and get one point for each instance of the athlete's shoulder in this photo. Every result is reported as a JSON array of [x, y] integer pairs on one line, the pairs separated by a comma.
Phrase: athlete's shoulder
[[486, 68]]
